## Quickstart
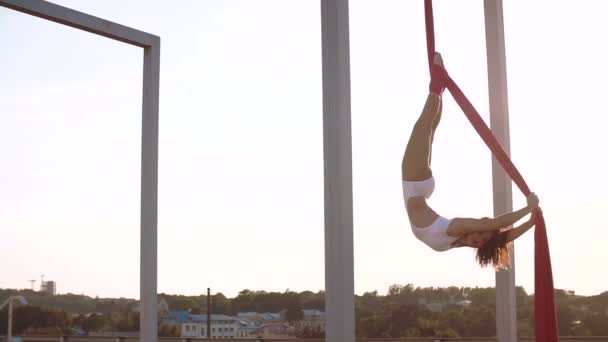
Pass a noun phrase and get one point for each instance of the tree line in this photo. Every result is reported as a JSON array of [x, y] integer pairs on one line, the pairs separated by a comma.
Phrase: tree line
[[404, 311]]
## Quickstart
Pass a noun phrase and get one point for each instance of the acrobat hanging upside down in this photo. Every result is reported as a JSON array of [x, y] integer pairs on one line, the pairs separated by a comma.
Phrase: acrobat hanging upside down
[[489, 235]]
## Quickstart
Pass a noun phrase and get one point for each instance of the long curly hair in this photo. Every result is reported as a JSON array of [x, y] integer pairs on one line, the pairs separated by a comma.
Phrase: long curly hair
[[496, 252]]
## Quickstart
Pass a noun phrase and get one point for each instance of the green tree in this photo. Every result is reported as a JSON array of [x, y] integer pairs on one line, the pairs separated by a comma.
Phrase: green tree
[[596, 323], [34, 317], [294, 313], [242, 302], [455, 320], [220, 304], [169, 331], [565, 319], [93, 322], [373, 326], [480, 321]]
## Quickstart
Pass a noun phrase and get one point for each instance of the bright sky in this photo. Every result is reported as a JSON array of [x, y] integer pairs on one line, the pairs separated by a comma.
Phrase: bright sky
[[241, 178]]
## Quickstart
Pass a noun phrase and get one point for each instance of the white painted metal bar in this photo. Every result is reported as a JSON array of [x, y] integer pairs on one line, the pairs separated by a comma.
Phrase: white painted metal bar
[[506, 319], [79, 20], [149, 148], [337, 152], [149, 194]]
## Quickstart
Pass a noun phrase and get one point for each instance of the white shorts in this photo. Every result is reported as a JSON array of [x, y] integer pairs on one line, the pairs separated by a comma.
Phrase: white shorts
[[423, 188], [435, 235]]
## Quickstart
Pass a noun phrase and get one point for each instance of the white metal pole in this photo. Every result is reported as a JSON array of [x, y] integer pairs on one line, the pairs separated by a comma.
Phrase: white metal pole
[[9, 334], [506, 319], [149, 194], [339, 264]]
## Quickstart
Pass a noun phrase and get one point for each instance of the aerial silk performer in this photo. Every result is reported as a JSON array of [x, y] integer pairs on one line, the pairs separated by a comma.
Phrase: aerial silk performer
[[490, 236]]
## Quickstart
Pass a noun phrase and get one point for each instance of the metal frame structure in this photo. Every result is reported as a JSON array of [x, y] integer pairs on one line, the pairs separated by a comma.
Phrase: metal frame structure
[[337, 152], [149, 148]]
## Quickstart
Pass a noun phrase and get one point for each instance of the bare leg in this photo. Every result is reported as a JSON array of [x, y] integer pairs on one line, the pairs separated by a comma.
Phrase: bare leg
[[435, 124], [438, 60], [415, 164]]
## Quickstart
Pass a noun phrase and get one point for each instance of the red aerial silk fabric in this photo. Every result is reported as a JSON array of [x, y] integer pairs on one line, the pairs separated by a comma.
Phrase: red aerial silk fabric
[[544, 305]]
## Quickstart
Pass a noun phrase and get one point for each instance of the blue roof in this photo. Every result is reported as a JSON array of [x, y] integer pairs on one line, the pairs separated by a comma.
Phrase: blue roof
[[179, 316], [214, 317], [246, 314], [185, 317], [313, 312], [267, 316]]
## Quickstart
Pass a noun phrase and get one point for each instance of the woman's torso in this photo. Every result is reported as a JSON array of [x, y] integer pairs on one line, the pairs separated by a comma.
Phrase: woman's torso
[[420, 213]]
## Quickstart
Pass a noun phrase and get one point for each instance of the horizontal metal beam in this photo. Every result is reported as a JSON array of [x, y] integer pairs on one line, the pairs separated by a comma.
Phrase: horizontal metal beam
[[69, 17]]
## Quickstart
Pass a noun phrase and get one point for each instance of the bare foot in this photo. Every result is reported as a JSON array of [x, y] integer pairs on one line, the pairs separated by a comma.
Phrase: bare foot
[[438, 60], [438, 76]]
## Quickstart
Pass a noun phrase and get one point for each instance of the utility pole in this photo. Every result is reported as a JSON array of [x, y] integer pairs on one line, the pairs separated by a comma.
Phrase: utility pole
[[208, 312], [9, 334]]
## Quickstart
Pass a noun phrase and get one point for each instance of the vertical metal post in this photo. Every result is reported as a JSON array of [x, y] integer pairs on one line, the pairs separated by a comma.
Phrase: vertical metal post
[[149, 194], [208, 312], [9, 334], [506, 319], [337, 155]]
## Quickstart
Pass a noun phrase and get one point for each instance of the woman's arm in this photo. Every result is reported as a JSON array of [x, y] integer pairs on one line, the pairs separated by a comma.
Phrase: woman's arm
[[518, 231], [506, 220], [462, 226]]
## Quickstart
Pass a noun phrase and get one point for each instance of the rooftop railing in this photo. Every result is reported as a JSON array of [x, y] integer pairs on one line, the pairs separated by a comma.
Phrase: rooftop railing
[[190, 339]]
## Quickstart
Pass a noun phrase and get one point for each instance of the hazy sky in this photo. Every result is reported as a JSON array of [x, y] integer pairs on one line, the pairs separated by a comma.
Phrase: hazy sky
[[241, 178]]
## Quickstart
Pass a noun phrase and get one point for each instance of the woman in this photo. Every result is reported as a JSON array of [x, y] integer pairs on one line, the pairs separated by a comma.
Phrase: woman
[[489, 235]]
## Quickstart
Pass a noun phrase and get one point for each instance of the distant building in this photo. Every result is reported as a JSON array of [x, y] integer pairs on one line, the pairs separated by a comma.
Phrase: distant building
[[246, 330], [311, 320], [163, 306], [276, 330], [175, 317], [222, 326], [260, 318], [465, 302], [246, 325], [49, 287], [173, 320]]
